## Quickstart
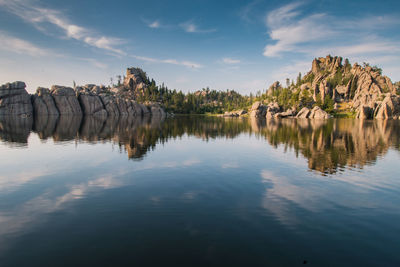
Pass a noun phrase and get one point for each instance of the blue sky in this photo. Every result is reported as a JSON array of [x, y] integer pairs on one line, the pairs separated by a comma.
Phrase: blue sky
[[188, 45]]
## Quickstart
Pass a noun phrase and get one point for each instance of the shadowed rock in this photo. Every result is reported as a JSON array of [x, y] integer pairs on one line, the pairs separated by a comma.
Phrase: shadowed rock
[[15, 129], [43, 103], [66, 101], [15, 100]]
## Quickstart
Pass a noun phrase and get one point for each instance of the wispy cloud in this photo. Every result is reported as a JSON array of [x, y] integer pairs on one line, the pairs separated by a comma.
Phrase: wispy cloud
[[185, 63], [19, 46], [288, 32], [190, 27], [155, 24], [245, 13], [43, 18], [228, 60], [293, 31]]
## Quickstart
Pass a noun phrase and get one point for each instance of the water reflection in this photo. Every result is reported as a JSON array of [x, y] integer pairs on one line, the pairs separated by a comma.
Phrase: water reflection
[[328, 145]]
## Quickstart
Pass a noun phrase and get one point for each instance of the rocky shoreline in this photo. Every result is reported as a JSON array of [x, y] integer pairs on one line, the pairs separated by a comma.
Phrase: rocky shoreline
[[333, 86], [91, 100], [329, 89]]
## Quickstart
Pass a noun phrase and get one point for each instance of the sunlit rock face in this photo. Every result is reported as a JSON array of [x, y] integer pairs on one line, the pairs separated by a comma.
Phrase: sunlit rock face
[[363, 90], [135, 79]]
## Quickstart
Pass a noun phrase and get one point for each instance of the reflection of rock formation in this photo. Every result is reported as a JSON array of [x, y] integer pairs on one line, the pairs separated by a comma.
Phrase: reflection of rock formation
[[45, 125], [67, 128], [15, 129], [327, 144]]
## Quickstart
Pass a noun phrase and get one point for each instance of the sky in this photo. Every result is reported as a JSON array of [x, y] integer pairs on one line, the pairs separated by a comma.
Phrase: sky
[[190, 45]]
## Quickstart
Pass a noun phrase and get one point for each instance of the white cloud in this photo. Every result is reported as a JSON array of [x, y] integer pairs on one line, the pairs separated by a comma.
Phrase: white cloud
[[185, 63], [282, 15], [228, 60], [155, 24], [288, 36], [319, 34], [193, 28], [42, 18], [19, 46]]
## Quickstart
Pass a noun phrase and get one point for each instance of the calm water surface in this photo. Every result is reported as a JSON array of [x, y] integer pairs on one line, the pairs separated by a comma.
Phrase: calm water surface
[[195, 191]]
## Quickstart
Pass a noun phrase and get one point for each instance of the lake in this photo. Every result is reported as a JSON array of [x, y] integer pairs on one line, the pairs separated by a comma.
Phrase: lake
[[199, 191]]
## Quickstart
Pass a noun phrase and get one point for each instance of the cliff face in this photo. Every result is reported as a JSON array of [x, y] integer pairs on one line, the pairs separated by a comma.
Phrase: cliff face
[[363, 89], [90, 99], [15, 100]]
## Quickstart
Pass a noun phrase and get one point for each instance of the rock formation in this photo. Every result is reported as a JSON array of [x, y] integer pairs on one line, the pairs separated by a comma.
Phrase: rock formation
[[66, 101], [43, 103], [364, 113], [15, 100], [90, 99], [303, 113], [258, 110], [235, 113], [332, 84], [135, 79], [318, 113]]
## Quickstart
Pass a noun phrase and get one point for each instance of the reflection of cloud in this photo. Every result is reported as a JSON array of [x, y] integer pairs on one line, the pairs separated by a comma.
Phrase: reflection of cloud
[[8, 181], [29, 213], [168, 164], [189, 195], [191, 162], [280, 197], [230, 165], [285, 196]]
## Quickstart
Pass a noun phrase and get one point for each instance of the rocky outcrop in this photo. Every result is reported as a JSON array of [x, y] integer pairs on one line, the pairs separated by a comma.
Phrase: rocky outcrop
[[91, 100], [338, 86], [15, 100], [235, 113], [365, 113], [286, 114], [135, 79], [272, 109], [388, 108], [110, 105], [157, 111], [303, 113], [258, 110], [92, 105], [66, 101], [318, 113], [43, 103]]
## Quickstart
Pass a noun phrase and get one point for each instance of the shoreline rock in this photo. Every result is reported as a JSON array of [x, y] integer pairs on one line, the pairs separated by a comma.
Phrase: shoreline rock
[[15, 100], [88, 100]]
